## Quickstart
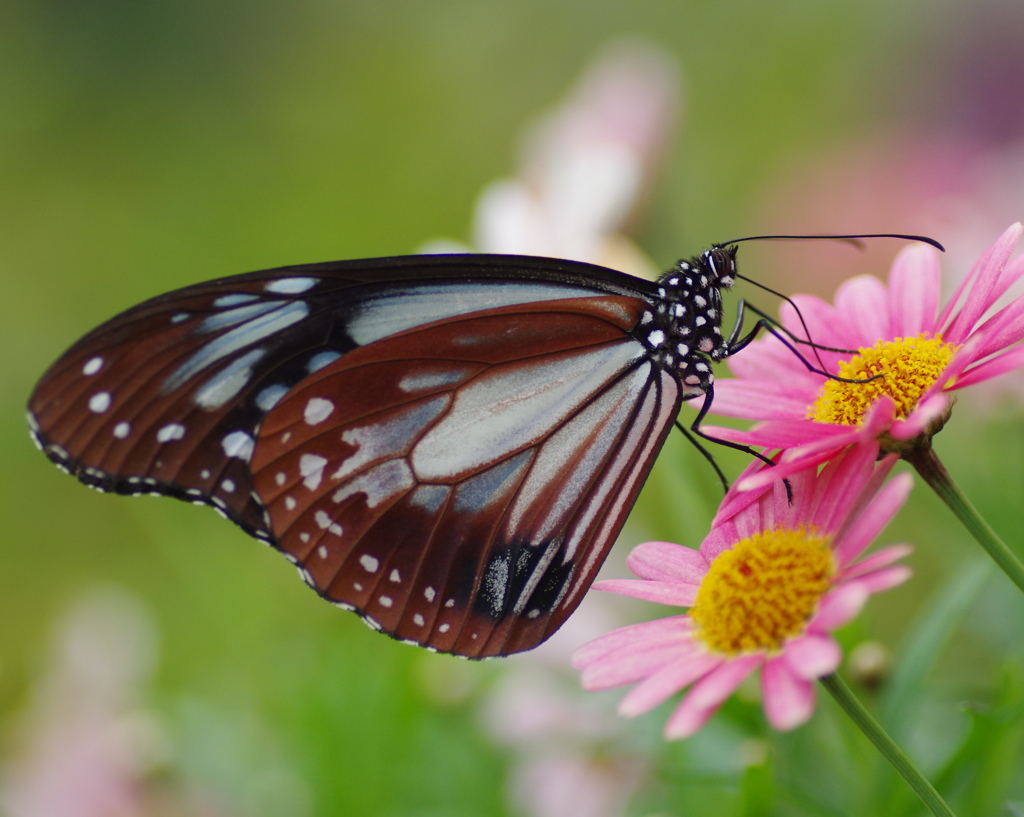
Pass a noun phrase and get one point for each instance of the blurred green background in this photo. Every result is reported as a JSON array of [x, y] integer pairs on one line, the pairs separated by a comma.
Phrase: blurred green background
[[146, 146]]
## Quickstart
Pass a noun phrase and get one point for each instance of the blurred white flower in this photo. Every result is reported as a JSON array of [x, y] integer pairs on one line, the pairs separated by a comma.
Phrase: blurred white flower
[[587, 166]]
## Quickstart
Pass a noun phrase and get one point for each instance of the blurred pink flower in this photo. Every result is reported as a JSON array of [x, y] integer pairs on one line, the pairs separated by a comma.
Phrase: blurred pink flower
[[952, 186], [922, 353], [768, 585], [595, 786], [567, 750], [87, 748]]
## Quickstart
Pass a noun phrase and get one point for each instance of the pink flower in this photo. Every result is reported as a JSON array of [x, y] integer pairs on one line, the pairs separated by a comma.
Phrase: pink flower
[[922, 354], [768, 585]]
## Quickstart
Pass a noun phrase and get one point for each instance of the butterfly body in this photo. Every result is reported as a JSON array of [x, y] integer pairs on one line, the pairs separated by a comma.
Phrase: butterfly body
[[447, 445]]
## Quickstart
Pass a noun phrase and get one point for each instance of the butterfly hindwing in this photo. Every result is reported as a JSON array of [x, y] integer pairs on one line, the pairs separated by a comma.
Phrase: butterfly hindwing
[[458, 484]]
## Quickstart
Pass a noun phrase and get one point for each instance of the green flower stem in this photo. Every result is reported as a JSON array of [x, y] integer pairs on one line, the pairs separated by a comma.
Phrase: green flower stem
[[934, 473], [886, 745]]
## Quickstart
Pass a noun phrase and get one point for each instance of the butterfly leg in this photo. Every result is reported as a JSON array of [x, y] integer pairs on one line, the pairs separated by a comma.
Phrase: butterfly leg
[[737, 342]]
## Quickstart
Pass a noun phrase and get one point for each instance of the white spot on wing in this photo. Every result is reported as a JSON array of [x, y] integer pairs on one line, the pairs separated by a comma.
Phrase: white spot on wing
[[418, 620], [291, 286], [322, 551], [321, 359], [387, 314], [235, 299], [395, 576], [228, 485], [380, 483], [269, 397], [311, 468], [376, 441], [92, 366], [238, 444], [427, 381], [385, 601], [429, 593], [369, 563], [170, 432], [322, 519], [258, 321], [512, 407], [317, 410], [99, 402], [228, 382], [122, 430]]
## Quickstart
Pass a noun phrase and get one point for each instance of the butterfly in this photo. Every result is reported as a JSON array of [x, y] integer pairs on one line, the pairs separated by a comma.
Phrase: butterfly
[[446, 445]]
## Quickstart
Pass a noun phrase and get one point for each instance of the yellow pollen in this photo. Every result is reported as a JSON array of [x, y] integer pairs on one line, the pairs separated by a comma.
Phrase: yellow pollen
[[909, 367], [763, 591]]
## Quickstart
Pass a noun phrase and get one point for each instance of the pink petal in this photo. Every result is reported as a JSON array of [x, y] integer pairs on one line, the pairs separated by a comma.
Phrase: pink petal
[[840, 486], [628, 666], [869, 523], [686, 720], [667, 681], [667, 561], [759, 400], [735, 502], [802, 459], [983, 278], [826, 325], [930, 409], [673, 593], [708, 694], [779, 433], [880, 558], [1002, 330], [722, 537], [839, 606], [674, 629], [885, 578], [788, 700], [772, 361], [812, 656], [914, 286], [865, 303], [993, 367], [1013, 270]]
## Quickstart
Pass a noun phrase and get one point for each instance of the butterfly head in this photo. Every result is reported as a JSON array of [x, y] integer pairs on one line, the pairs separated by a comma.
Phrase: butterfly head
[[720, 264]]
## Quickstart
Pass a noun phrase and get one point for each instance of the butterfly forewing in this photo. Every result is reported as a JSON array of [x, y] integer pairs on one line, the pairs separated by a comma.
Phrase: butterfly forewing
[[444, 481]]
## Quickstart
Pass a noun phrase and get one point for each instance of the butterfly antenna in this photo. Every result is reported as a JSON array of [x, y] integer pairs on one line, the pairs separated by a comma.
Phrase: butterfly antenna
[[852, 239]]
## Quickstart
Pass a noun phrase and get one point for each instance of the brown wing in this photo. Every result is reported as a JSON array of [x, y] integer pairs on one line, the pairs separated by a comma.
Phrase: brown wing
[[458, 485]]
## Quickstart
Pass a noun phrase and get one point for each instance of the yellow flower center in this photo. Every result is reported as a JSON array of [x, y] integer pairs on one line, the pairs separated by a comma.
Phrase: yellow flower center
[[763, 591], [909, 367]]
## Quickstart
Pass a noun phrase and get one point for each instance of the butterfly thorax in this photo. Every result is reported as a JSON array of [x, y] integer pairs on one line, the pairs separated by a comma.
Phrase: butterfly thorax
[[684, 329]]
